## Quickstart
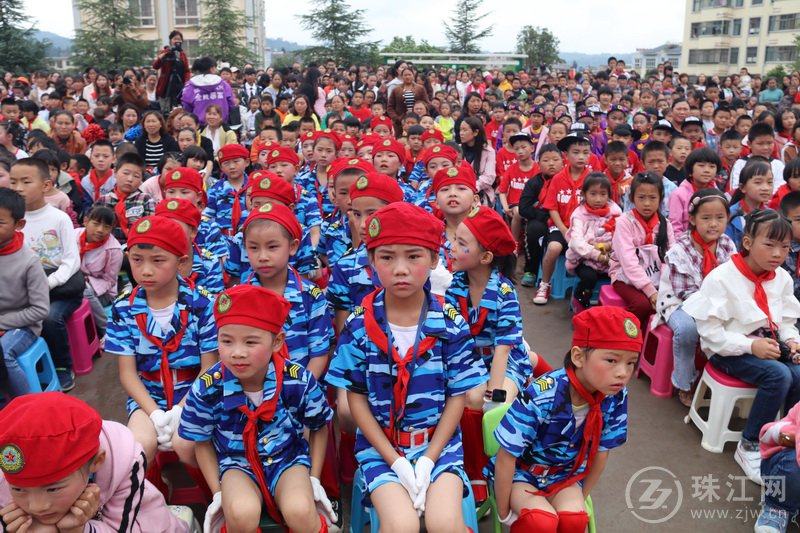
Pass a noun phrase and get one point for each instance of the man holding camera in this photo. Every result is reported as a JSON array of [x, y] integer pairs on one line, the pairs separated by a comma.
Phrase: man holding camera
[[173, 72]]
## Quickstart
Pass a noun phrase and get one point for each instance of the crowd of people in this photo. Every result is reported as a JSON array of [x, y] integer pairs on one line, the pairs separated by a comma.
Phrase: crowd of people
[[272, 253]]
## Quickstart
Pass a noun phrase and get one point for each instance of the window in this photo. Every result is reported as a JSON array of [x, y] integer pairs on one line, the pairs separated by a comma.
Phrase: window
[[698, 5], [186, 13], [708, 56], [734, 57], [142, 12], [650, 62], [781, 54], [737, 27], [757, 2], [752, 55], [784, 22], [755, 26], [190, 47], [637, 62]]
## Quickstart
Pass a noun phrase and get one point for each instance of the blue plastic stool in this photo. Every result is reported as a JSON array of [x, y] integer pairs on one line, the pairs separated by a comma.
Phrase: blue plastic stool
[[561, 282], [39, 368], [361, 516]]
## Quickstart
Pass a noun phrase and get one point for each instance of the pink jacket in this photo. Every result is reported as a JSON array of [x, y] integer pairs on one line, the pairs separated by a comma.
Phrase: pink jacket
[[790, 424], [628, 236], [678, 205], [152, 187], [102, 265], [585, 231], [487, 174], [128, 502]]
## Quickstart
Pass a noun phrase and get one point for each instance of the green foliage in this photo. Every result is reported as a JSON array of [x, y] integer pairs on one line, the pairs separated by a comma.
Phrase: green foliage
[[107, 38], [407, 45], [222, 33], [19, 51], [778, 73], [463, 32], [797, 55], [539, 44], [341, 31]]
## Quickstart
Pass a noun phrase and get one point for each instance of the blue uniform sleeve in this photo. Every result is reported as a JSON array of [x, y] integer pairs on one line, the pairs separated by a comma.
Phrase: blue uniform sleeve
[[313, 410], [319, 324], [197, 418], [309, 208], [211, 208], [339, 289], [417, 173], [519, 426], [464, 369], [508, 330], [615, 422], [207, 329], [348, 368], [233, 265], [119, 338]]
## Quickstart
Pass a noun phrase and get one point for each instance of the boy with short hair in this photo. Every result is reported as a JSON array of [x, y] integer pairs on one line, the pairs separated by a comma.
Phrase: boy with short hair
[[128, 202], [761, 142], [226, 199], [505, 155], [100, 180], [24, 300], [388, 157], [49, 233], [722, 120], [615, 160], [514, 179], [655, 158], [65, 469], [790, 207], [680, 148], [730, 148]]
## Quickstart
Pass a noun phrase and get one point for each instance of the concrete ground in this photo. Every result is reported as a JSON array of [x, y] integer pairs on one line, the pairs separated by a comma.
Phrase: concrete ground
[[661, 475]]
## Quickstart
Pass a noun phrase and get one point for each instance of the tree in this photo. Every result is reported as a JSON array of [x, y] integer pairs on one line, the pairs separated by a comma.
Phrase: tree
[[778, 73], [463, 33], [19, 51], [797, 55], [222, 33], [106, 38], [407, 45], [341, 32], [539, 45]]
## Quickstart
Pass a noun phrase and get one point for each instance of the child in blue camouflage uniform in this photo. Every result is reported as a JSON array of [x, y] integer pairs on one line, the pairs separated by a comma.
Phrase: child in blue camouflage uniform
[[555, 438], [388, 158], [204, 269], [247, 414], [226, 202], [456, 192], [163, 332], [326, 146], [434, 159], [419, 174], [407, 407]]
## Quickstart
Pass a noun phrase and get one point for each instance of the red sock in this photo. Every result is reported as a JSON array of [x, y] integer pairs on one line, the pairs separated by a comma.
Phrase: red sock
[[347, 456], [572, 521], [472, 440], [329, 477], [324, 527], [541, 366], [535, 521]]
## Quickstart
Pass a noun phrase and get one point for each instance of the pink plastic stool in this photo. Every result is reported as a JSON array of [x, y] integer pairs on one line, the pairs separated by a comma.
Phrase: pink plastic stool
[[83, 341], [609, 297], [657, 360], [198, 494]]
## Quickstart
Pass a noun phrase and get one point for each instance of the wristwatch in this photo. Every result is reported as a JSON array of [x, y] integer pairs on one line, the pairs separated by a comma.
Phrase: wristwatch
[[496, 395]]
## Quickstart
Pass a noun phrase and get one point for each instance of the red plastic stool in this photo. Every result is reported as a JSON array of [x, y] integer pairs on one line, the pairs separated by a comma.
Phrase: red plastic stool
[[609, 297], [83, 341], [657, 360], [198, 494]]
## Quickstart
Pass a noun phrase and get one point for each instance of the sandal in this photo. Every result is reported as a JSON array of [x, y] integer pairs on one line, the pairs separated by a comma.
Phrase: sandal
[[685, 397]]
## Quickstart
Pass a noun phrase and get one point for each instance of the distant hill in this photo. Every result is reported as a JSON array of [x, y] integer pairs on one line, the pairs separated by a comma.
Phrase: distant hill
[[276, 43], [593, 60], [59, 46]]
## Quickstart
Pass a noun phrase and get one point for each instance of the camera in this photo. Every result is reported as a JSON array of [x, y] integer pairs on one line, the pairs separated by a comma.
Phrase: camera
[[178, 47], [786, 352], [126, 80]]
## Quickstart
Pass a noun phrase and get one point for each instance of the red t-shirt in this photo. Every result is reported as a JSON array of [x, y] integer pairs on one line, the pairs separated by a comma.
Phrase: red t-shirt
[[491, 131], [564, 195], [362, 114], [513, 181], [504, 160], [634, 164]]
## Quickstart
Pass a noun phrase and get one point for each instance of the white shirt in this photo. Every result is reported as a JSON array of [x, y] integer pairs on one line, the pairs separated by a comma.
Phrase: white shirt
[[163, 317], [404, 337], [49, 233], [777, 173]]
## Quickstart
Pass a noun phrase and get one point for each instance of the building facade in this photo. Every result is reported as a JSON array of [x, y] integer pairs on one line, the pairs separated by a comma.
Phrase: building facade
[[157, 18], [647, 59], [721, 36]]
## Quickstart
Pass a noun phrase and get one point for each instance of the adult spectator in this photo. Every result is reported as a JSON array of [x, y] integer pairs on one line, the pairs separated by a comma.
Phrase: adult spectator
[[404, 95], [206, 88], [311, 89], [473, 103], [173, 72], [771, 95]]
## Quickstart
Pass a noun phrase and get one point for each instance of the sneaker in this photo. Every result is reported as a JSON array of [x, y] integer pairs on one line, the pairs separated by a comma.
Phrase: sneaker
[[336, 504], [750, 461], [66, 377], [772, 520], [542, 294], [528, 280]]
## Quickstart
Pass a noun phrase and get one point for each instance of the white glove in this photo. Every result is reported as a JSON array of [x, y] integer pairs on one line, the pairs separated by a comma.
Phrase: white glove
[[772, 435], [422, 471], [323, 503], [488, 405], [510, 519], [408, 479], [161, 422], [440, 279], [160, 419], [174, 415], [214, 518]]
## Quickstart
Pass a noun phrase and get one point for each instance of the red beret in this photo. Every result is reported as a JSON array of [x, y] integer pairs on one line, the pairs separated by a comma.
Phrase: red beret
[[340, 164], [347, 138], [403, 223], [491, 230], [368, 139], [251, 305], [329, 134], [282, 154], [433, 134], [46, 437], [180, 210], [439, 150], [264, 183], [382, 120], [390, 145], [185, 178], [161, 232], [309, 136], [612, 328], [276, 213], [376, 185], [463, 175], [232, 151]]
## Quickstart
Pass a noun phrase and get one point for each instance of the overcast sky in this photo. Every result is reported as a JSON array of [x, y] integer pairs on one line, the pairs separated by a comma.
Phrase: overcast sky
[[586, 26]]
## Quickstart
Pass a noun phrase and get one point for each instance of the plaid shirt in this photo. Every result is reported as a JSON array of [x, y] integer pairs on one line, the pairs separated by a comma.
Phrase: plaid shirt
[[137, 205], [791, 266], [684, 285]]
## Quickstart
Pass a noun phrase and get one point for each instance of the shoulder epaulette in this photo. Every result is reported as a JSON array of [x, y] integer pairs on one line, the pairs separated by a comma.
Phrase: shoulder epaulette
[[205, 293], [293, 370], [124, 294], [450, 311], [315, 291], [208, 378], [544, 383], [358, 311], [505, 288]]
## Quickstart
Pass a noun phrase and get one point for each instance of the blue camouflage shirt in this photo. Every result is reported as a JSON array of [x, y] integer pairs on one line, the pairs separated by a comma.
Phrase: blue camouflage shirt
[[352, 278], [220, 204]]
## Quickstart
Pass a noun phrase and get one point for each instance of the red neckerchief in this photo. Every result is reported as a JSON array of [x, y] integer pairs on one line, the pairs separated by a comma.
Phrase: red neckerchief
[[601, 212], [120, 210], [14, 244], [746, 208], [759, 294], [166, 348], [236, 208], [592, 431], [615, 183], [647, 225], [265, 412], [98, 181], [89, 246], [477, 327], [695, 188], [709, 257], [611, 224], [378, 337]]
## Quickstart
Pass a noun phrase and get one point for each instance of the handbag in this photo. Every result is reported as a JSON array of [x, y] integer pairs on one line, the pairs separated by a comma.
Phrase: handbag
[[72, 289]]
